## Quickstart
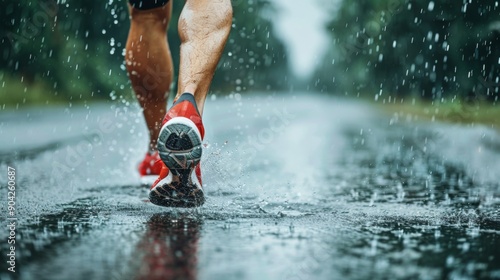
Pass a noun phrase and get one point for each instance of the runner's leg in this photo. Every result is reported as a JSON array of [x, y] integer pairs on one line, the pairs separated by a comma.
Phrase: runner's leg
[[149, 62], [204, 27]]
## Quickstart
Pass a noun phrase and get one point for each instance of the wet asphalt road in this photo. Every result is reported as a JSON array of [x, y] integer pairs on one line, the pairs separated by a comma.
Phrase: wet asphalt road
[[307, 187]]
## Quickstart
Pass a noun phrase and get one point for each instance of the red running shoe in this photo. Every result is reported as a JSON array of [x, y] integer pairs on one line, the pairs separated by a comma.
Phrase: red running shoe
[[179, 146], [150, 168]]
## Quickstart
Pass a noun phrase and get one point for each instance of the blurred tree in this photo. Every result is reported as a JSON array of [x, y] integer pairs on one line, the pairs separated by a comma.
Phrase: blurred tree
[[253, 58], [75, 48], [64, 46], [431, 49]]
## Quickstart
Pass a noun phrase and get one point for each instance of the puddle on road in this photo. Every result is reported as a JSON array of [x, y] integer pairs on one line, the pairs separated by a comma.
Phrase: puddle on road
[[410, 170], [376, 204], [132, 240]]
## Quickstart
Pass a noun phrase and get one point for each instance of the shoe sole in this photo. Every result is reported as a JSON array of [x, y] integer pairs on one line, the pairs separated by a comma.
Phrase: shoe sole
[[176, 195], [179, 146]]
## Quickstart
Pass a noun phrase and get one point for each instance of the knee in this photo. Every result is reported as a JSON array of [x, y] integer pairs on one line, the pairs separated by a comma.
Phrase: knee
[[214, 12]]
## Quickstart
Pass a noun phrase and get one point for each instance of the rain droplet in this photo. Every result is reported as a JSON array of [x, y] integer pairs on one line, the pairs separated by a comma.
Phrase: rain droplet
[[431, 6]]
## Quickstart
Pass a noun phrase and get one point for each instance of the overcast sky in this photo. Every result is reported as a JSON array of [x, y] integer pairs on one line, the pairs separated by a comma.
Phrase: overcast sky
[[301, 25]]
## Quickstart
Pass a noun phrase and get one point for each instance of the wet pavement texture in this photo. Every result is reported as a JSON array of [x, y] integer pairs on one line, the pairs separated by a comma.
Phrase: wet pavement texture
[[303, 187]]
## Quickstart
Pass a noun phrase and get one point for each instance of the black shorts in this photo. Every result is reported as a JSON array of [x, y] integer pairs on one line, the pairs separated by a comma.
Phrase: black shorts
[[147, 4]]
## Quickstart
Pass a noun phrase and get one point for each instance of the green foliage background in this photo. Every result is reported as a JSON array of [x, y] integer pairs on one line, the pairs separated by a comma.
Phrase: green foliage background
[[434, 50], [384, 49], [73, 50]]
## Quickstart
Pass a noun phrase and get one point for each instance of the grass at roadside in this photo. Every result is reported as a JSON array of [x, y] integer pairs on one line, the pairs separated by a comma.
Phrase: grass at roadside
[[14, 93], [458, 112]]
